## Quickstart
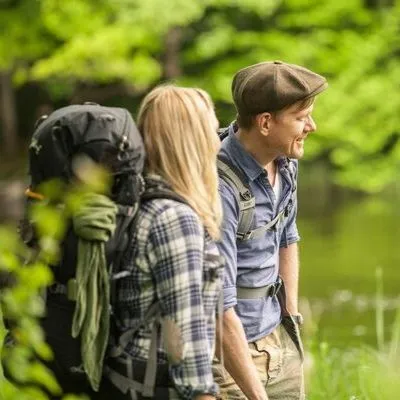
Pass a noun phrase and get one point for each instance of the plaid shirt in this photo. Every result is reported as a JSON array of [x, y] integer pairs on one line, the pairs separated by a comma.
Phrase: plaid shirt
[[174, 262]]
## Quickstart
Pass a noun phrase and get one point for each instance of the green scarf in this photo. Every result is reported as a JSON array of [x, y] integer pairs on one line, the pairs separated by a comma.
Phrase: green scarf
[[93, 223]]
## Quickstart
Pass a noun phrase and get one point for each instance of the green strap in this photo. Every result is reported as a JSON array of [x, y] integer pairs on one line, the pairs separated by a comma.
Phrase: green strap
[[93, 223]]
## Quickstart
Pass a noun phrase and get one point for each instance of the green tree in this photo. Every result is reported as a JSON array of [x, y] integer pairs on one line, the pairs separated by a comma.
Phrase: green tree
[[95, 49], [23, 39]]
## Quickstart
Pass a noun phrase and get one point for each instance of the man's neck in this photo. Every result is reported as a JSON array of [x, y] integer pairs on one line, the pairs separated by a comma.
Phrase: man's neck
[[251, 143]]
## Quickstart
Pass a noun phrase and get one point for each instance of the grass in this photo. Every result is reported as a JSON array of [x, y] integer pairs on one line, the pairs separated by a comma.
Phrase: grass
[[362, 373]]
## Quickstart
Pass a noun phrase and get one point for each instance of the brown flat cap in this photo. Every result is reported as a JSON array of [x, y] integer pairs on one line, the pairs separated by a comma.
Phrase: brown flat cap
[[273, 85]]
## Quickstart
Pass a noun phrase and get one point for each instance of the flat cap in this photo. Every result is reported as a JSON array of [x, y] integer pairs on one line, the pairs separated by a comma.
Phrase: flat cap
[[272, 86]]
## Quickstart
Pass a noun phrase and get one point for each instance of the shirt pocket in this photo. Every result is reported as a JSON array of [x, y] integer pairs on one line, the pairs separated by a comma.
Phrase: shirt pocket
[[212, 281]]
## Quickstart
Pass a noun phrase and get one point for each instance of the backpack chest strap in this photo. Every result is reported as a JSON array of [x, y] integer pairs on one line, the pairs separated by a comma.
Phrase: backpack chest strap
[[246, 201], [260, 231]]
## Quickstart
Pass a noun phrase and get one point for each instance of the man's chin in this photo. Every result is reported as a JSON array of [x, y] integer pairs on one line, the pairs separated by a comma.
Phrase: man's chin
[[297, 155]]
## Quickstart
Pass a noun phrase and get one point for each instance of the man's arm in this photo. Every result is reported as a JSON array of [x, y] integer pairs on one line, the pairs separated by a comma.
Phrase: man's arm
[[289, 272], [289, 256], [237, 358]]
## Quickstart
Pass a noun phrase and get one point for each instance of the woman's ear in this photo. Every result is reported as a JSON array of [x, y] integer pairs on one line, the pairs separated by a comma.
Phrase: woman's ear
[[263, 122]]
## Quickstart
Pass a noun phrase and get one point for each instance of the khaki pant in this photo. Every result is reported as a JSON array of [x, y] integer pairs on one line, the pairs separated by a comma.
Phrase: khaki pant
[[279, 365]]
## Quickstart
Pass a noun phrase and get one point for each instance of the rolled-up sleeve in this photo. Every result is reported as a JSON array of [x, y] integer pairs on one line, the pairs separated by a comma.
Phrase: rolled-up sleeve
[[227, 243], [177, 240]]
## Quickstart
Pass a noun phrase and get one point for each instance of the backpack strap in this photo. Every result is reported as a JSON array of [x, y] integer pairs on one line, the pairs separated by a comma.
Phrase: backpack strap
[[127, 383], [247, 202], [223, 133], [259, 232], [126, 216]]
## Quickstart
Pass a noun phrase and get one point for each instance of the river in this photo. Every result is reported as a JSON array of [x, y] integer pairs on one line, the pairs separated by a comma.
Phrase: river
[[345, 241]]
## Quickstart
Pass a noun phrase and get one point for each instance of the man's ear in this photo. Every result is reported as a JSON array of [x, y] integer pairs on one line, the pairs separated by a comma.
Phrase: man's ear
[[263, 122]]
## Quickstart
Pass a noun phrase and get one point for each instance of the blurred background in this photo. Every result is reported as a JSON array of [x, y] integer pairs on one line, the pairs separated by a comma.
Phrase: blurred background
[[54, 53]]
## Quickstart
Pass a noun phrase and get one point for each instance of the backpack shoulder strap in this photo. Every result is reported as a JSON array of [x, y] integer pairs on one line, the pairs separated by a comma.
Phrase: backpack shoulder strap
[[162, 194], [246, 200], [235, 178], [223, 133], [157, 189]]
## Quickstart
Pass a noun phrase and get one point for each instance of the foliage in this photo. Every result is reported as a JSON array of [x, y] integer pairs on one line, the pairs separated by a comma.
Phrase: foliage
[[81, 43], [21, 303], [353, 374], [18, 45], [362, 373]]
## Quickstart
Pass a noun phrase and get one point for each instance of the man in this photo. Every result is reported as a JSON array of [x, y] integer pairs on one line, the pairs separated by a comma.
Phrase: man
[[262, 351]]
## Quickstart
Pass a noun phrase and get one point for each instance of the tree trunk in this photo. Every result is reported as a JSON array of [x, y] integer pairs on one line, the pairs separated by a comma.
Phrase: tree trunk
[[8, 114], [172, 64]]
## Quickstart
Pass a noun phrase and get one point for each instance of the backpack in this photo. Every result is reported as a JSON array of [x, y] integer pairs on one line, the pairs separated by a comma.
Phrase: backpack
[[236, 179], [109, 137]]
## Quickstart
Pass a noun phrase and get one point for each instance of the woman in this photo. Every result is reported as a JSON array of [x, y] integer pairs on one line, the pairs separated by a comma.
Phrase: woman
[[174, 265]]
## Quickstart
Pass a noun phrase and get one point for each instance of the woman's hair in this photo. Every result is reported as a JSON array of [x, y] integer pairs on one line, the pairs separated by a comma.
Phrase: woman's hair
[[179, 129]]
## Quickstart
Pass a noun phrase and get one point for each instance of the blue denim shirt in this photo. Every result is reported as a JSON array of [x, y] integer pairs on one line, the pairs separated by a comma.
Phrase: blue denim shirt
[[255, 262]]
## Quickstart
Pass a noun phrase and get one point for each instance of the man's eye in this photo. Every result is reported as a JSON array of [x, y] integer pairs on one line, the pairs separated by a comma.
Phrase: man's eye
[[304, 118]]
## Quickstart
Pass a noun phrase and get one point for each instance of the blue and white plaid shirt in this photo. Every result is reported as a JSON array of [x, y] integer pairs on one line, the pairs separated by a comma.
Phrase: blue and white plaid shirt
[[174, 262]]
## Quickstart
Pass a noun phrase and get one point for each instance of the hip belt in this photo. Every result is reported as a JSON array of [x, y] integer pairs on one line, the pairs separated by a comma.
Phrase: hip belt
[[259, 292], [129, 377]]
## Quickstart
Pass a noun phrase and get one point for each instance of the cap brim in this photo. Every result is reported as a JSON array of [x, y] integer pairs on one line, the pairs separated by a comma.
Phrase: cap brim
[[316, 91]]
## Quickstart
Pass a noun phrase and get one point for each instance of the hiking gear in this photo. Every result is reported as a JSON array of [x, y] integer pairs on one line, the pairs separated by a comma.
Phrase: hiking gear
[[156, 279], [94, 223], [239, 182], [259, 292], [163, 390], [78, 303], [272, 86], [236, 179], [289, 322], [297, 318]]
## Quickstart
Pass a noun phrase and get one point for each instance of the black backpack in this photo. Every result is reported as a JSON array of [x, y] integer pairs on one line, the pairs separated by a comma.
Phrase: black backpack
[[109, 137]]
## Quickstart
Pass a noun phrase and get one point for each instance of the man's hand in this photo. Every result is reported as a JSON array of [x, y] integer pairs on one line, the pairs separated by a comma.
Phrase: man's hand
[[237, 358]]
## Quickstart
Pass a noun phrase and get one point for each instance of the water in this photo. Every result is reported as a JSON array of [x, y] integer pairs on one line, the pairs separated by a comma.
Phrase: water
[[345, 239]]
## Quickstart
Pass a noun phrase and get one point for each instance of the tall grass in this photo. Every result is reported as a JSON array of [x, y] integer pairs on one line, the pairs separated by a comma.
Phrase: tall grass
[[361, 373]]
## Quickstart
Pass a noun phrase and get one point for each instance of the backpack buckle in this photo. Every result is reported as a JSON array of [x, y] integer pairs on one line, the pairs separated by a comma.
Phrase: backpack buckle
[[246, 195], [274, 288]]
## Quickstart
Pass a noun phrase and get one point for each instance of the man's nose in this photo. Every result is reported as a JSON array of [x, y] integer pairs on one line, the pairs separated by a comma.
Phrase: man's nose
[[311, 126]]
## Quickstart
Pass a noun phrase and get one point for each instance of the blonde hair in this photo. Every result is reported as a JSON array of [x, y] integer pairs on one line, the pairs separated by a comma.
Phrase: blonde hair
[[179, 131]]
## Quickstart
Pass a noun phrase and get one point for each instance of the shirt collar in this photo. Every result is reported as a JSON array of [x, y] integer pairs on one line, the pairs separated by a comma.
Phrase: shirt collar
[[240, 156], [244, 159]]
